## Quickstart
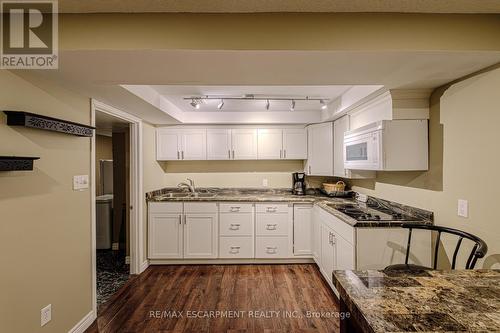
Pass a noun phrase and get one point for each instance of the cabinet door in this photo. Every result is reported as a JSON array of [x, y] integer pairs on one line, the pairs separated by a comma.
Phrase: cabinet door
[[165, 236], [327, 253], [194, 144], [344, 258], [321, 154], [340, 126], [200, 235], [295, 144], [270, 144], [218, 144], [302, 230], [316, 236], [168, 144], [244, 144]]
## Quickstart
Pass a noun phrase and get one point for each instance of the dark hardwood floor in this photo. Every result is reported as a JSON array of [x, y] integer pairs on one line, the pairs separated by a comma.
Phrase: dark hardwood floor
[[159, 300]]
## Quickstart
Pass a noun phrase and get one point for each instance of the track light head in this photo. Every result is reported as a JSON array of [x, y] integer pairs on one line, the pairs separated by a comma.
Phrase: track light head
[[292, 105], [267, 104], [221, 104], [323, 104]]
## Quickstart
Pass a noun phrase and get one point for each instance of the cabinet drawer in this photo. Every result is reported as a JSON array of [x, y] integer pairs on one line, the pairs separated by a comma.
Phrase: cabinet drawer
[[236, 207], [165, 207], [236, 224], [236, 247], [200, 207], [271, 247], [272, 224], [271, 208]]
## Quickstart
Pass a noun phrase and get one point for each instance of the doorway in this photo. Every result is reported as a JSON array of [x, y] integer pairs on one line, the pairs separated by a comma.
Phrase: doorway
[[117, 209]]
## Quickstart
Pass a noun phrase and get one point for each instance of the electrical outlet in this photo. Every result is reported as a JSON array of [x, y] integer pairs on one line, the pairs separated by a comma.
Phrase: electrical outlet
[[80, 182], [45, 315], [265, 182], [463, 208]]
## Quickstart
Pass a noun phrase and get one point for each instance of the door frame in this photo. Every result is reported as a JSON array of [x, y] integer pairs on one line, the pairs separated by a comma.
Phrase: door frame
[[137, 262]]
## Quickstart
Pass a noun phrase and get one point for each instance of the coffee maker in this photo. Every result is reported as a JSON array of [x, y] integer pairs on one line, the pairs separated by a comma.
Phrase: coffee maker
[[299, 183]]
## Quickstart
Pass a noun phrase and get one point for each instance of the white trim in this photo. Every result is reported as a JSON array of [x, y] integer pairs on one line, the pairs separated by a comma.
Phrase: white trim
[[303, 260], [144, 265], [136, 198], [84, 323]]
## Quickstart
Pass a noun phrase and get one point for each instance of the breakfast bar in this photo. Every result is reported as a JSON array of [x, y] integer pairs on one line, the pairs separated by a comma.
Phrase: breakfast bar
[[419, 301]]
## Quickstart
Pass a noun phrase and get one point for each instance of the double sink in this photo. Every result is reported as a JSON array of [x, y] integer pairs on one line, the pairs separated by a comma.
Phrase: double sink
[[187, 195]]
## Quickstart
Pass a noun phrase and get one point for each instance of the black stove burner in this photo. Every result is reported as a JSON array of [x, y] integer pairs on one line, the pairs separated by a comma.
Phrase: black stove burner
[[372, 212]]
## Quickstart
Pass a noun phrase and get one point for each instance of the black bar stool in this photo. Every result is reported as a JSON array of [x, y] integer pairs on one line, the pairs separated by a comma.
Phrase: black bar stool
[[478, 251]]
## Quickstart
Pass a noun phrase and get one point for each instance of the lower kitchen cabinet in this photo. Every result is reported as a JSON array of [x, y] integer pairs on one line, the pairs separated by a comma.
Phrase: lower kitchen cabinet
[[328, 252], [302, 230], [273, 225], [165, 236], [236, 228], [200, 236], [236, 247], [271, 247]]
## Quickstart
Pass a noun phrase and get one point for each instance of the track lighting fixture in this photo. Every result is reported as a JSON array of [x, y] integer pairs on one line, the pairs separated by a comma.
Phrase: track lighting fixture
[[292, 105], [221, 104], [267, 104], [195, 103], [323, 104]]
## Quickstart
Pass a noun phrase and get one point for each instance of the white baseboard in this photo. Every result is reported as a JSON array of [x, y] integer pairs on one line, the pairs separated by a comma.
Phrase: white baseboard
[[229, 261], [144, 265], [83, 324]]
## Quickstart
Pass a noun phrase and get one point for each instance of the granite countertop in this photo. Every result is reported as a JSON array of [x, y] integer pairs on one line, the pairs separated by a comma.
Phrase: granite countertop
[[284, 195], [423, 301]]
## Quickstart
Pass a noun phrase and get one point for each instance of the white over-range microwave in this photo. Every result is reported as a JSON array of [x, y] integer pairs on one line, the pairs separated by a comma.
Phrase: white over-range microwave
[[388, 145]]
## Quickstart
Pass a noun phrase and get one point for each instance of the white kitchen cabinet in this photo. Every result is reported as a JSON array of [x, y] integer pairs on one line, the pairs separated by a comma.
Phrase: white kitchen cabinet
[[328, 252], [302, 230], [244, 144], [181, 144], [194, 144], [340, 126], [295, 144], [236, 229], [270, 144], [219, 144], [320, 149], [165, 236], [200, 235], [273, 225], [316, 235], [168, 144]]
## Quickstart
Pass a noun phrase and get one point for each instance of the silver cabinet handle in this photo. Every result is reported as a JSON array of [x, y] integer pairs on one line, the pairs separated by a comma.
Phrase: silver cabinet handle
[[234, 226], [281, 153], [180, 219], [284, 153], [234, 209], [229, 153], [185, 219], [182, 154], [309, 170], [271, 209], [271, 226], [178, 155], [271, 249], [234, 249], [233, 154]]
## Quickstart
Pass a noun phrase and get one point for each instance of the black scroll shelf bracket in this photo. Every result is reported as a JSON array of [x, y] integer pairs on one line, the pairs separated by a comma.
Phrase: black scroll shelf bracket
[[32, 120], [16, 163]]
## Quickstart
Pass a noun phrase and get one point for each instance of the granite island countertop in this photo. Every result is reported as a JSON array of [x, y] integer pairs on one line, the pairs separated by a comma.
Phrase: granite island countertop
[[285, 195], [423, 301]]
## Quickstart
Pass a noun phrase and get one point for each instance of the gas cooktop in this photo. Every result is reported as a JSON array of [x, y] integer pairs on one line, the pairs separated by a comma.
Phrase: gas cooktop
[[361, 211]]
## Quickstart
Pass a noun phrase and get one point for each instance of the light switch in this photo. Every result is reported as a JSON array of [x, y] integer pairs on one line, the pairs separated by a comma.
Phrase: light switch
[[80, 182], [463, 208]]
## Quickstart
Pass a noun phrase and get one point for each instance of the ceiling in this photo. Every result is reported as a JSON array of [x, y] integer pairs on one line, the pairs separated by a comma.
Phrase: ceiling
[[177, 94], [247, 6]]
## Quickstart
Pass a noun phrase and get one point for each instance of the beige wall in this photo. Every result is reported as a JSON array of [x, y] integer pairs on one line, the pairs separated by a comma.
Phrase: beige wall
[[103, 151], [464, 163], [45, 241]]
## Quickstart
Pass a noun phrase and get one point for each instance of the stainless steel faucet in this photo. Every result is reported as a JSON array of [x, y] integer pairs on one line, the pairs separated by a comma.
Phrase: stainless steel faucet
[[190, 186]]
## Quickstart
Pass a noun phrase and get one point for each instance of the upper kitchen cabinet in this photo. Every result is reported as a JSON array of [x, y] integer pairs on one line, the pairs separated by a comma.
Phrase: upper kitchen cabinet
[[340, 126], [295, 144], [219, 144], [285, 144], [320, 149], [181, 144], [244, 144], [270, 144]]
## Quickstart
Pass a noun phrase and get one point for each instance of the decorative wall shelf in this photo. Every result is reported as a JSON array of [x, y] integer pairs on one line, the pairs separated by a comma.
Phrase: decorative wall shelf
[[16, 163], [32, 120]]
